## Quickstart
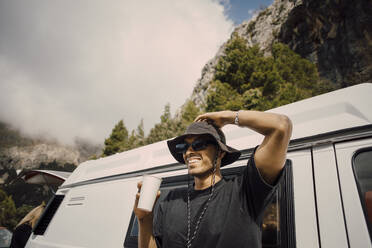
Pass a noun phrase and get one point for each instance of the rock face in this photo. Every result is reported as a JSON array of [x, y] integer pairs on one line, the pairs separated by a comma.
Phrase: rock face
[[19, 152], [262, 30], [334, 34], [32, 156]]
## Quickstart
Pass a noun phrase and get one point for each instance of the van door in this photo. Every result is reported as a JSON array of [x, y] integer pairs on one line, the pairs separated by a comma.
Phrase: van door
[[354, 159], [304, 199], [332, 230]]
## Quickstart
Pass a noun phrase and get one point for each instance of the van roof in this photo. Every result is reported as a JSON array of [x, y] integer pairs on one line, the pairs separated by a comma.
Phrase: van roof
[[337, 110]]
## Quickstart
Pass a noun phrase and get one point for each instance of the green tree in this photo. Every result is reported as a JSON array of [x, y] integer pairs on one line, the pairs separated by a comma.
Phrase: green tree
[[137, 138], [238, 63], [246, 79], [222, 96], [189, 112], [117, 141], [140, 134], [7, 211], [166, 129]]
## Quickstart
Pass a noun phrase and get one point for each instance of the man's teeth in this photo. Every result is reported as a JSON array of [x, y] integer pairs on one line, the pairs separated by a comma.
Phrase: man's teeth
[[193, 160]]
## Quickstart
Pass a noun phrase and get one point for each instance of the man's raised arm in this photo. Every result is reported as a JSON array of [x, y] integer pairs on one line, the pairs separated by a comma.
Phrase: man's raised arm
[[277, 129]]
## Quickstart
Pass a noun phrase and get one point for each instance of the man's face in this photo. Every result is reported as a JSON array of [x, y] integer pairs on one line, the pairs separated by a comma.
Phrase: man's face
[[200, 163]]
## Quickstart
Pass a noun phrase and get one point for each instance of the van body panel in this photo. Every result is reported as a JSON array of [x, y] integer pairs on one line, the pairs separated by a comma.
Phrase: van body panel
[[330, 213], [355, 220], [94, 215], [304, 199]]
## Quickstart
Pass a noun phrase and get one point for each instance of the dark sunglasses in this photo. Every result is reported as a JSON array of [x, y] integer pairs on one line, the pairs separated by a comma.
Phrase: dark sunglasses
[[197, 145]]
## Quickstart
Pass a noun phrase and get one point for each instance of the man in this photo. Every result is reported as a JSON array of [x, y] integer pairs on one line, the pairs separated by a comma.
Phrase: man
[[215, 212]]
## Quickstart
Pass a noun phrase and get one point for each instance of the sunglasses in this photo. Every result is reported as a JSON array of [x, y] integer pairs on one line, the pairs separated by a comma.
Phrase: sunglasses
[[197, 145]]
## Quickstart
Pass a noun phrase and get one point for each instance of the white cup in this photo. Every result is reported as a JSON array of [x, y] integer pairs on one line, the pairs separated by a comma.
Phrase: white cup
[[149, 189]]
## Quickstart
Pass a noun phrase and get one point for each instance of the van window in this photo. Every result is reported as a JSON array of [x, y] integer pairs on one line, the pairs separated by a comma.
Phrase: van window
[[362, 165], [278, 228]]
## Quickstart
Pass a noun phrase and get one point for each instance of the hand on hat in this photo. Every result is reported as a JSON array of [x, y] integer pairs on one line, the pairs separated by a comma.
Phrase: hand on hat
[[219, 119]]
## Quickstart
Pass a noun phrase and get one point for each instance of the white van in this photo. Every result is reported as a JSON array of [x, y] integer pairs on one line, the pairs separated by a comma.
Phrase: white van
[[325, 199]]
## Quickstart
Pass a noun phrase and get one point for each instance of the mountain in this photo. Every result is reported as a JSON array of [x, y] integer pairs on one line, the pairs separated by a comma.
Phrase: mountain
[[336, 35], [18, 151]]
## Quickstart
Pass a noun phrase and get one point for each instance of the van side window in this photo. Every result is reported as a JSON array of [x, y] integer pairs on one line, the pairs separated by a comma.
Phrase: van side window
[[362, 165], [278, 229]]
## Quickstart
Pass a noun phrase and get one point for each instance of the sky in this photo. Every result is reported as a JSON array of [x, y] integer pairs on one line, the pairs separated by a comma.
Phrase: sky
[[75, 68], [241, 10]]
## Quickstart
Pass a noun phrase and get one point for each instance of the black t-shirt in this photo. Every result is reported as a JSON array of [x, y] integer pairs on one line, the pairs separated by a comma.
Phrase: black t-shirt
[[233, 218]]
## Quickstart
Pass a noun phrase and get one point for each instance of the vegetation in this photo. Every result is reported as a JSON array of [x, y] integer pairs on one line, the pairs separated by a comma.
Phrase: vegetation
[[244, 79], [166, 129], [251, 27], [9, 214], [17, 198], [54, 165], [117, 140]]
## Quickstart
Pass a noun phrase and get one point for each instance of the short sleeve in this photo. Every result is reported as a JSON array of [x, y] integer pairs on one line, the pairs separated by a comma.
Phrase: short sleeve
[[257, 193]]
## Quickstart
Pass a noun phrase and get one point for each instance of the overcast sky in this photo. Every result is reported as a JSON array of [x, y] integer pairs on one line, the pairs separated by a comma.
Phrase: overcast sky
[[75, 68]]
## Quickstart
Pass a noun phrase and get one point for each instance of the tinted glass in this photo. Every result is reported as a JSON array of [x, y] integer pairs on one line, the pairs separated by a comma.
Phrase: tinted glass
[[270, 225], [363, 175]]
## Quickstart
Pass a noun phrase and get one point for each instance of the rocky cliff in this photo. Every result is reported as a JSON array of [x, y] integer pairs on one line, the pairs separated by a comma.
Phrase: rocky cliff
[[336, 35], [18, 151]]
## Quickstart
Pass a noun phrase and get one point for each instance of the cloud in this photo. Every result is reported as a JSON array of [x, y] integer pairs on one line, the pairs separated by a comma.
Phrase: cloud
[[75, 68]]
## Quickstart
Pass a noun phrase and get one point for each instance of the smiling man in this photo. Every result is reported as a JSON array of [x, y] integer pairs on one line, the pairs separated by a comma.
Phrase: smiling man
[[214, 212]]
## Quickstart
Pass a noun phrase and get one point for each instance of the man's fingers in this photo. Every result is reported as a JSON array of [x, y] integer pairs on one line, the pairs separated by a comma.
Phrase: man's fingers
[[136, 200], [199, 118], [139, 185]]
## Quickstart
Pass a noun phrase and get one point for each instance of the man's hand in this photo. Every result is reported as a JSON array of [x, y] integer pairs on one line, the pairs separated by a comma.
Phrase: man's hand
[[277, 129], [145, 237], [142, 214], [219, 119]]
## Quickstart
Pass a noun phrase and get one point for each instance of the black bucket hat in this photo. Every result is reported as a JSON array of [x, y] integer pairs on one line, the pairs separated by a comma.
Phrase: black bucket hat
[[204, 128]]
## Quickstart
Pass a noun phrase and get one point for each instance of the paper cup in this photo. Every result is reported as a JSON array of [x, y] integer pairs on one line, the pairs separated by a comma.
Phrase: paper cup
[[149, 189]]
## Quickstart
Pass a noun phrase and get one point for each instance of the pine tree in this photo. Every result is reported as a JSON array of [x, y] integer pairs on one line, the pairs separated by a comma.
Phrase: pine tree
[[7, 211], [167, 128], [140, 133], [117, 141]]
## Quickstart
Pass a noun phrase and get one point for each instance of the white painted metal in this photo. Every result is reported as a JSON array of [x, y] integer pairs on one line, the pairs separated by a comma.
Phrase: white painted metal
[[106, 210], [99, 218], [355, 221], [333, 111], [330, 214], [304, 202]]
